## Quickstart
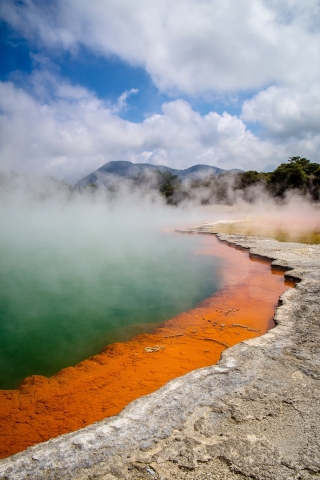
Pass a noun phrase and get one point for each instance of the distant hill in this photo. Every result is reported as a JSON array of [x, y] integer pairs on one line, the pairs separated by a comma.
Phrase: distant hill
[[125, 169]]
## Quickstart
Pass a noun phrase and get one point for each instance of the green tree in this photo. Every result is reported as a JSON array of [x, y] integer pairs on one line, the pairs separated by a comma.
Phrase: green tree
[[249, 178], [293, 175], [168, 183]]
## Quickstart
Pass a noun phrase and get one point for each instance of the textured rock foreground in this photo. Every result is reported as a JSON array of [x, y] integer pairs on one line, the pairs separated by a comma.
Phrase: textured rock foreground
[[254, 415]]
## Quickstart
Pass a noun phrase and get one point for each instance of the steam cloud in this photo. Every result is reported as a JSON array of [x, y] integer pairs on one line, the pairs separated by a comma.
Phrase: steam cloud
[[67, 255]]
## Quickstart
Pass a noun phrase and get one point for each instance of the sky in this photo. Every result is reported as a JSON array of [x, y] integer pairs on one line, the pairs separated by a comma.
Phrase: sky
[[224, 83]]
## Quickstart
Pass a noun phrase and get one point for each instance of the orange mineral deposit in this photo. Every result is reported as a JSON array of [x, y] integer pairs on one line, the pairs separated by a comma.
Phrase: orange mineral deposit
[[101, 386]]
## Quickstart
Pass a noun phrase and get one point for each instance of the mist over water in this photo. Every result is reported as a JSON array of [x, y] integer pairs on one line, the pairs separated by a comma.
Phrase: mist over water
[[298, 220], [80, 270], [79, 273]]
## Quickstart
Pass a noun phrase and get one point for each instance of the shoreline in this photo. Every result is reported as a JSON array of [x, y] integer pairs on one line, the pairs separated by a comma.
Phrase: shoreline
[[254, 414]]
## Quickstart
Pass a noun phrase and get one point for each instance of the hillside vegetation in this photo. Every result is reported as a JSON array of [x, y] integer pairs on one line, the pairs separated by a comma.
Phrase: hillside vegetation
[[298, 175]]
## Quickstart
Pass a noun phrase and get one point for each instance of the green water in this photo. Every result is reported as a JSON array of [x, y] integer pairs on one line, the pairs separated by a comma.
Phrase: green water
[[69, 288]]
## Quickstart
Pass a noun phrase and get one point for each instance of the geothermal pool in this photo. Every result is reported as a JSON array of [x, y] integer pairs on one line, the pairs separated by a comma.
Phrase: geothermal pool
[[240, 304], [101, 303], [62, 303]]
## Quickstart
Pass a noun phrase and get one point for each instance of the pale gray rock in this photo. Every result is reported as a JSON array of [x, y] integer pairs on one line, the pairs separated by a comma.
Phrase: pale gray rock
[[255, 414]]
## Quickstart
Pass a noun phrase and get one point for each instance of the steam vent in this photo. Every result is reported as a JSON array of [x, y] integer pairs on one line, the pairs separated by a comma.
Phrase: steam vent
[[253, 415]]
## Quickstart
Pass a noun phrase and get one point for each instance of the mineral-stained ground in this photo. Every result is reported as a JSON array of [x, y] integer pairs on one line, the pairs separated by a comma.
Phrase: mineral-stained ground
[[253, 415]]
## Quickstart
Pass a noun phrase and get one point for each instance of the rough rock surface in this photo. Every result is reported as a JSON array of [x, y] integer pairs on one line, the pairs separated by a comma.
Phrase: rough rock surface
[[253, 415]]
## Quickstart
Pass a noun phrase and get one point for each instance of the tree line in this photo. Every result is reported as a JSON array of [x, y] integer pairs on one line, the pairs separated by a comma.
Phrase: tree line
[[298, 175]]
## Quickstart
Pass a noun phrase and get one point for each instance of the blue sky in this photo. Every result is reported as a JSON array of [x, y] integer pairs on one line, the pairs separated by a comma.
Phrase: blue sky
[[108, 78], [175, 83]]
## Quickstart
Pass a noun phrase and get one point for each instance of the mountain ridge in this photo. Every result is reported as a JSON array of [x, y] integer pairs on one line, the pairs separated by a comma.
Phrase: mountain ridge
[[125, 169]]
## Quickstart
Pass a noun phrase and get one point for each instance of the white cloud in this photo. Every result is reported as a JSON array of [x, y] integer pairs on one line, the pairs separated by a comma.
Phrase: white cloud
[[122, 104], [211, 48], [76, 133], [285, 112], [189, 46]]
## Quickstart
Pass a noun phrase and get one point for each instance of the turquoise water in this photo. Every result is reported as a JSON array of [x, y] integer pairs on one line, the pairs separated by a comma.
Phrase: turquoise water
[[70, 284]]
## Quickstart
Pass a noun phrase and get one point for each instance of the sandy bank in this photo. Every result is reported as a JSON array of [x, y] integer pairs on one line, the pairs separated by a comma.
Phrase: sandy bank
[[255, 414]]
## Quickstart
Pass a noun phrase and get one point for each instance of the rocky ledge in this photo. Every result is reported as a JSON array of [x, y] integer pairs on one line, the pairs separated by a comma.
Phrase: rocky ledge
[[253, 415]]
